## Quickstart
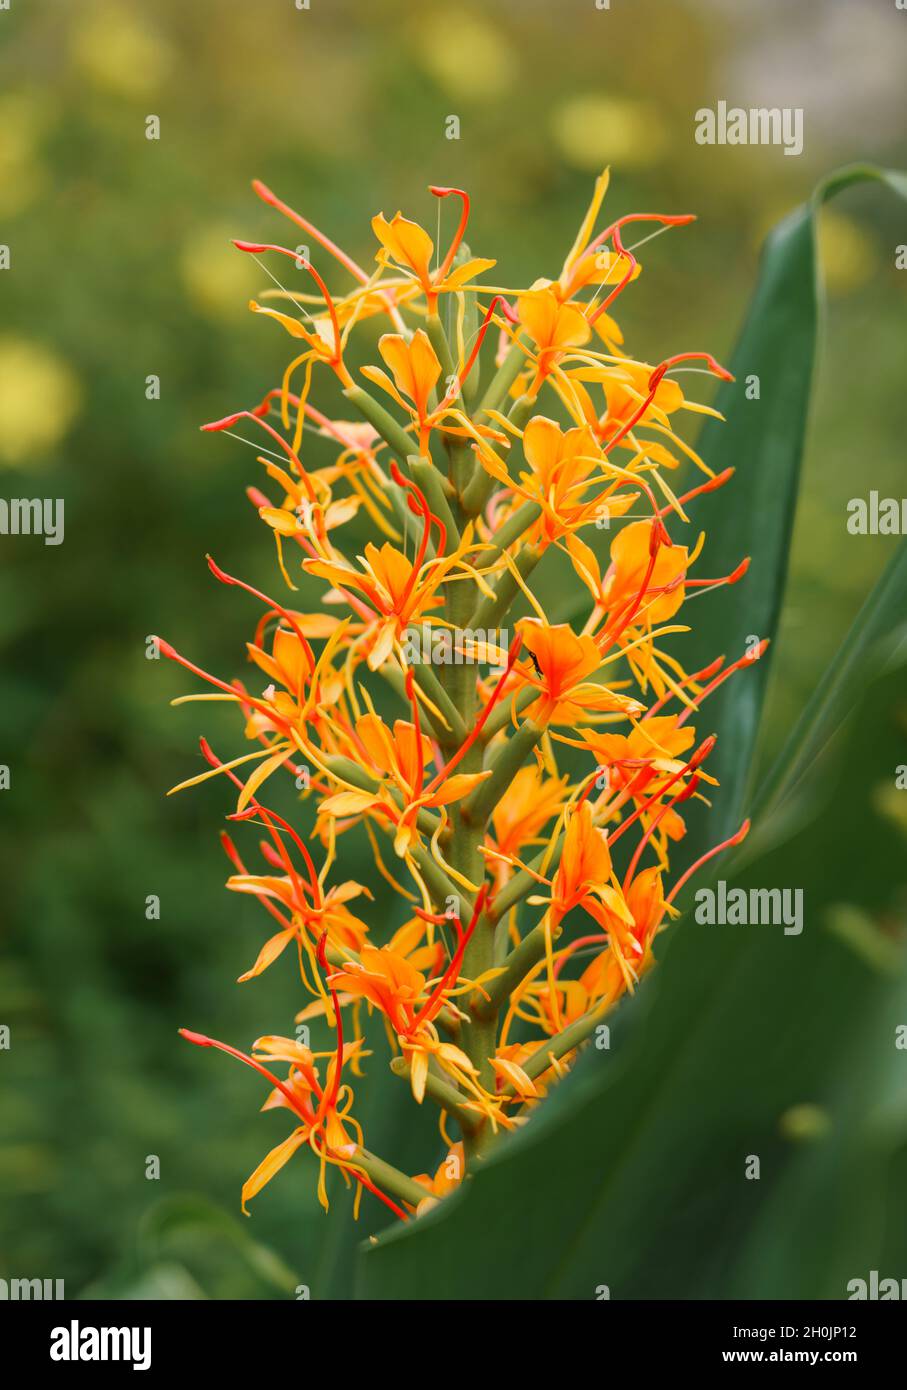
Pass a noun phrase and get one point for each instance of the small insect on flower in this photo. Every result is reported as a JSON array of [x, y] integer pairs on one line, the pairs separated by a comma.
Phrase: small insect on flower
[[521, 808]]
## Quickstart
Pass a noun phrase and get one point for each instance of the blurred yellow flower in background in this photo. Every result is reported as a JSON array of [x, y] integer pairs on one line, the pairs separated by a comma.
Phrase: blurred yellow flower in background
[[218, 279], [848, 253], [119, 53], [23, 117], [39, 398], [593, 130], [466, 55]]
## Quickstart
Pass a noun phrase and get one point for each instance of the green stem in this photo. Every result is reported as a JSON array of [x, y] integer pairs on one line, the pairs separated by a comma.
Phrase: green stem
[[431, 687], [514, 527], [443, 1094], [479, 804], [389, 1178], [351, 772], [432, 483], [393, 433], [483, 483], [479, 1038], [503, 378], [438, 339], [439, 885], [505, 712], [516, 967], [563, 1042], [522, 883], [491, 610]]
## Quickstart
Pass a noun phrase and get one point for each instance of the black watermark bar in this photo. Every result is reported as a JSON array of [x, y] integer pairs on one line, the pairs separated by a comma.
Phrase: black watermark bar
[[222, 1337]]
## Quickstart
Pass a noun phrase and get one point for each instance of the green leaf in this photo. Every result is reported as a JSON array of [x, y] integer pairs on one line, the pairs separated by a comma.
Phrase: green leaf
[[876, 640], [754, 513], [770, 1040], [191, 1226]]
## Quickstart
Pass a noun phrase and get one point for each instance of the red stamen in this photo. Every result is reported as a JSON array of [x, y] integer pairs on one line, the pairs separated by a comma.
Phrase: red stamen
[[422, 509], [695, 761], [735, 839], [746, 660], [291, 454], [271, 603], [480, 336], [427, 1011], [233, 855], [273, 201], [667, 220], [458, 234], [173, 655], [201, 1041], [618, 289], [683, 795], [256, 248], [338, 1066], [709, 485], [629, 609], [655, 382], [267, 816], [255, 808], [704, 674]]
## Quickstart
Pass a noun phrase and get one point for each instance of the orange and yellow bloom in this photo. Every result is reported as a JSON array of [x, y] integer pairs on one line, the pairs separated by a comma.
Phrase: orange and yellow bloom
[[523, 803]]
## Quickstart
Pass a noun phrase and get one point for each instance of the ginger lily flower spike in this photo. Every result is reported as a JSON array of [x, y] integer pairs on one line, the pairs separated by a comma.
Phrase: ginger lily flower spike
[[522, 781]]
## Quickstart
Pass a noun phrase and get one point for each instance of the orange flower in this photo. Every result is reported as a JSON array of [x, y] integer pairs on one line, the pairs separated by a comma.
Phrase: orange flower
[[409, 245], [554, 327], [398, 763], [344, 931], [447, 1178], [416, 371], [530, 803], [641, 764], [563, 467], [561, 662], [640, 590], [585, 873]]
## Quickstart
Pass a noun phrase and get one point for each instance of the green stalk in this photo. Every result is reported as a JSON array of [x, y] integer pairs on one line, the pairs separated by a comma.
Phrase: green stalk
[[503, 379], [432, 483], [438, 339], [516, 967], [563, 1042], [439, 885], [470, 330], [491, 610], [443, 1094], [357, 777], [514, 527], [386, 1176], [430, 686], [478, 806], [522, 884], [393, 433], [479, 1037], [480, 488], [505, 712]]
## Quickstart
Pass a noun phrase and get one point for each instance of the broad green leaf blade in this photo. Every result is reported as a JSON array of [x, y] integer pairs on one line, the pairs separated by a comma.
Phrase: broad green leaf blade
[[609, 1183], [877, 638], [762, 438]]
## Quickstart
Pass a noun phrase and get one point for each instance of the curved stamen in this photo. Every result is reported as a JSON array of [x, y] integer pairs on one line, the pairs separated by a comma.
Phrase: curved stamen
[[458, 234], [255, 248]]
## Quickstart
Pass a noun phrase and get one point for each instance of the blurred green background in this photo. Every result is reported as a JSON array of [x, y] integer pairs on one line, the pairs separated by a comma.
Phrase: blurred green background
[[121, 268]]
